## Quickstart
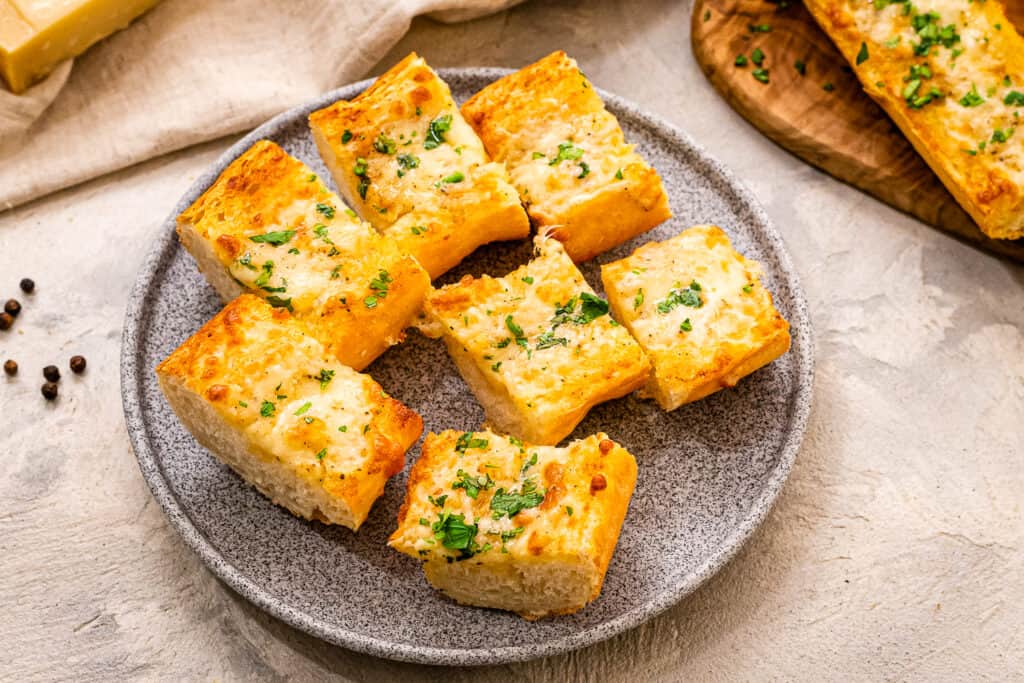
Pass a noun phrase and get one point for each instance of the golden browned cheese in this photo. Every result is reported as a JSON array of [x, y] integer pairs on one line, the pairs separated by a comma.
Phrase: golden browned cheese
[[581, 182], [270, 226], [950, 73], [310, 433], [536, 346], [699, 311], [404, 157], [547, 552]]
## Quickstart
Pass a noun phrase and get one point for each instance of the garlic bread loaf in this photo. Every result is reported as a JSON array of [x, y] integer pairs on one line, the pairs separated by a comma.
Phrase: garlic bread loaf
[[699, 312], [270, 226], [581, 182], [950, 73], [311, 434], [502, 524], [537, 346], [402, 154]]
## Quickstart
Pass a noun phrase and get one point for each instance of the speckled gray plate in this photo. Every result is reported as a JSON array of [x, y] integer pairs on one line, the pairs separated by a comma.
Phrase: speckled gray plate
[[708, 471]]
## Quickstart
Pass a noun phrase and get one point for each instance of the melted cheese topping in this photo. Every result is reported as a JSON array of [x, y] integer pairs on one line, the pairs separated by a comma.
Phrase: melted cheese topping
[[691, 302], [277, 385], [570, 485], [549, 368]]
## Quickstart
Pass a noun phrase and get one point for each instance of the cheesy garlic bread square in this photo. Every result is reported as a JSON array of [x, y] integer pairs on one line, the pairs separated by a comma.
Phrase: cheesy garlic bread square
[[403, 156], [311, 434], [537, 346], [270, 226], [567, 156], [700, 313], [502, 524]]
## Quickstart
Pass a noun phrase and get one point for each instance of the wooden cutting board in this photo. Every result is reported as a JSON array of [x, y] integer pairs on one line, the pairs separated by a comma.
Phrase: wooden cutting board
[[841, 130]]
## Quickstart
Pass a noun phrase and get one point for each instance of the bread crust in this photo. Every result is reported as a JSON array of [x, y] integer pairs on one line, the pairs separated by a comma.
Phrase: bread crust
[[329, 271], [734, 331], [439, 201], [314, 435], [958, 142], [540, 382], [555, 553], [591, 202]]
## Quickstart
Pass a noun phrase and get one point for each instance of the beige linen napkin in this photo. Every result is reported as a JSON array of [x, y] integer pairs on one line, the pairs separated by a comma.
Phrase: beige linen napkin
[[194, 70]]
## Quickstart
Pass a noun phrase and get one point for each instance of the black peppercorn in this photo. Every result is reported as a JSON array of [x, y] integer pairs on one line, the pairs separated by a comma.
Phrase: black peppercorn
[[6, 320], [77, 364], [10, 367], [50, 391], [12, 307], [27, 285], [51, 373]]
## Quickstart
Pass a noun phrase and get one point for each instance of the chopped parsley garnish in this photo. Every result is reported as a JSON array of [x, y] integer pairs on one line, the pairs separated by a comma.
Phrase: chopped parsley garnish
[[326, 210], [567, 151], [275, 238], [1001, 135], [931, 34], [439, 501], [1014, 98], [528, 280], [511, 503], [246, 260], [466, 441], [346, 137], [343, 428], [418, 229], [972, 98], [305, 407], [539, 155], [638, 300], [407, 162], [741, 60], [681, 297], [862, 54], [321, 454], [568, 510], [584, 170], [517, 332], [892, 42], [757, 56], [384, 144], [801, 67], [529, 463], [280, 302], [496, 366], [456, 177], [436, 130], [760, 75], [455, 534], [685, 326], [590, 308], [266, 272], [243, 404], [828, 87], [760, 28], [320, 230], [325, 377], [360, 171], [748, 288], [335, 272], [267, 409], [548, 339], [618, 174], [379, 286], [472, 485]]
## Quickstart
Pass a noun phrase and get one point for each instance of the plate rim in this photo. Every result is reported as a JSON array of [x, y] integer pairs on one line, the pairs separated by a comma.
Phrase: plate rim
[[152, 471]]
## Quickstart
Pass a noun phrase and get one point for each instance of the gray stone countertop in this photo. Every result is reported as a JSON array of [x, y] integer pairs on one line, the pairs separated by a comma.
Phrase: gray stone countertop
[[894, 551]]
